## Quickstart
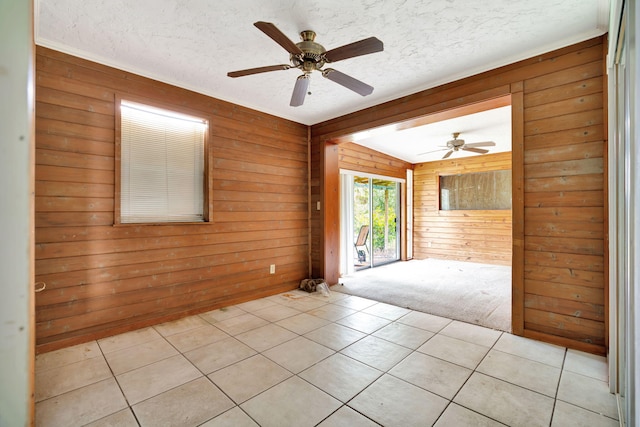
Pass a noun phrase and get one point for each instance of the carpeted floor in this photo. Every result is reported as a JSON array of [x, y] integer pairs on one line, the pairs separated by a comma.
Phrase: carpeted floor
[[469, 292]]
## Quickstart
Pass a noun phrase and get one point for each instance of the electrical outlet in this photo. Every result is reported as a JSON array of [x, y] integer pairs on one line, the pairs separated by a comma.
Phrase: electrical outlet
[[272, 269]]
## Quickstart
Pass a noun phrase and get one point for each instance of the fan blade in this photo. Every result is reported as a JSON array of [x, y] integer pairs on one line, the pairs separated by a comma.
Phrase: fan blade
[[347, 81], [299, 91], [257, 70], [362, 47], [434, 151], [447, 155], [278, 36], [481, 144], [475, 150]]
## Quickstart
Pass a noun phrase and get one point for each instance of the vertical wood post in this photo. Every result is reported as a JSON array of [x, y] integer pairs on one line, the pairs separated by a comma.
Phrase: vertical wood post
[[331, 215], [517, 208]]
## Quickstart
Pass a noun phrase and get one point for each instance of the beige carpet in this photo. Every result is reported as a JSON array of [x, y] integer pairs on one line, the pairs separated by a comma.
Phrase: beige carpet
[[469, 292]]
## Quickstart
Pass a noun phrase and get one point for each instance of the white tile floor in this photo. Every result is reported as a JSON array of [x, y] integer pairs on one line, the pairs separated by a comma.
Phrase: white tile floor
[[299, 359]]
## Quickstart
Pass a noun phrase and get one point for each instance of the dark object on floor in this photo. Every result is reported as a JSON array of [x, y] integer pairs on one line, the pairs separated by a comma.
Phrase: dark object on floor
[[310, 285]]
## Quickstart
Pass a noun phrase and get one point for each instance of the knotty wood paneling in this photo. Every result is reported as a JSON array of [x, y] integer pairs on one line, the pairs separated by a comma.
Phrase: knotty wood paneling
[[357, 158], [465, 235], [104, 279], [559, 282]]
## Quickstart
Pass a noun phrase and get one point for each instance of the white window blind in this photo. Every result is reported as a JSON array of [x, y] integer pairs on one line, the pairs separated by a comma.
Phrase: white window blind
[[161, 164]]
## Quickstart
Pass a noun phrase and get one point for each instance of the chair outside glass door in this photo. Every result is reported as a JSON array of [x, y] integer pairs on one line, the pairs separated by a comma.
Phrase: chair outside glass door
[[362, 250]]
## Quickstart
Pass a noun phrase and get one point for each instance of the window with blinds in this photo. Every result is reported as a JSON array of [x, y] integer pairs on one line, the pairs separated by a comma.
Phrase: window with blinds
[[161, 165]]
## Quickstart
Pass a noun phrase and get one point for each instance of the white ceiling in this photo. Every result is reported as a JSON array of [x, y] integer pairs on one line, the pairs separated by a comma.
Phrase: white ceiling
[[416, 145], [194, 43]]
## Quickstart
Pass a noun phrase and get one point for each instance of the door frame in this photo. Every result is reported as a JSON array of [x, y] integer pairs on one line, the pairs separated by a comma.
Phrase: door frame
[[17, 172], [346, 217], [510, 94]]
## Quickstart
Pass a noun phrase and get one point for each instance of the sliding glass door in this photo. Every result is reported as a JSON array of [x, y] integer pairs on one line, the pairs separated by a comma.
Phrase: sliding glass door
[[374, 204]]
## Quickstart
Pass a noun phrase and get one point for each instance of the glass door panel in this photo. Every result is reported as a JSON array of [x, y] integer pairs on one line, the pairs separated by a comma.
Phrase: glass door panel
[[385, 221], [361, 253]]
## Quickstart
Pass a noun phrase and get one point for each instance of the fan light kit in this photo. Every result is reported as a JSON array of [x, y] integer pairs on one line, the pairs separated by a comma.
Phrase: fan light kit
[[309, 56], [456, 144]]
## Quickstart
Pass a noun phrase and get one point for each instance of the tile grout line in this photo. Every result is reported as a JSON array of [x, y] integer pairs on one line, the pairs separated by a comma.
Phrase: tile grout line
[[129, 407], [555, 399], [562, 372], [474, 370]]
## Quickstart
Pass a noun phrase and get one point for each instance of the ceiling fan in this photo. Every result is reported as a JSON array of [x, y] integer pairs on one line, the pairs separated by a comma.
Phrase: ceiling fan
[[456, 144], [308, 56]]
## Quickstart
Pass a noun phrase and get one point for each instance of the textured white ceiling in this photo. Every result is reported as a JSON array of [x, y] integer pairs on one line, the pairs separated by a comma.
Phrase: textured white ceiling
[[194, 43]]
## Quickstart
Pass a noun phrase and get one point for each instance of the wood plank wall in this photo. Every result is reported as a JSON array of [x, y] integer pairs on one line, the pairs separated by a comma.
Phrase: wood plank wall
[[564, 202], [357, 158], [559, 277], [103, 279], [474, 236]]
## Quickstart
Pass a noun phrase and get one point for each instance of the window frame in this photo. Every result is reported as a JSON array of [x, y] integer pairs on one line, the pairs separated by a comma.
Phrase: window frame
[[464, 213], [440, 176], [206, 185]]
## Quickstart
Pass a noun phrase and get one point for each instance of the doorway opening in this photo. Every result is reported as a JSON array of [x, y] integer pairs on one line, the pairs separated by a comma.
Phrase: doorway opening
[[464, 247]]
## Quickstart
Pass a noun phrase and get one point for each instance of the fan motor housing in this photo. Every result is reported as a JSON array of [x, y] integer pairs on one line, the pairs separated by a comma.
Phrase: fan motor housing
[[313, 53], [455, 144]]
